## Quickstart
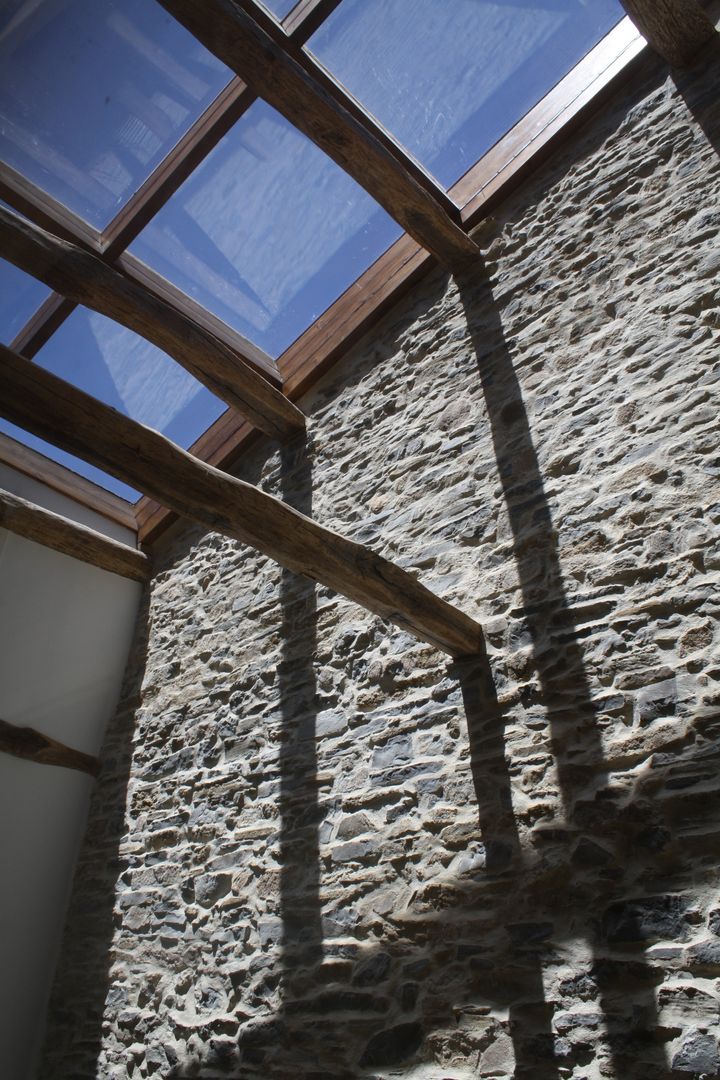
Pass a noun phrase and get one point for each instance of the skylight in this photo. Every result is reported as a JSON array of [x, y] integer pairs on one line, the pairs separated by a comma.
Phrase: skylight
[[94, 93], [267, 232], [448, 79]]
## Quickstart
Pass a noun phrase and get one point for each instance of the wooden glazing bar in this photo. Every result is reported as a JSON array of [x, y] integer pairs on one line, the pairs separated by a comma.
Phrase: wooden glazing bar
[[44, 210], [51, 314], [71, 419], [70, 538]]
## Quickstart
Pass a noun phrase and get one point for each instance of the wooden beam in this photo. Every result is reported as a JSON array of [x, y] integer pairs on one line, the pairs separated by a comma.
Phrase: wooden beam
[[46, 212], [58, 412], [674, 28], [70, 538], [295, 85], [149, 279], [478, 192], [25, 742], [29, 462], [83, 278]]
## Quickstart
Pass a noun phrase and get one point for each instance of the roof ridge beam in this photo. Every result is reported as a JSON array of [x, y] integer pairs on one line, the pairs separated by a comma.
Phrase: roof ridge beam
[[675, 29], [294, 84], [66, 416], [85, 279]]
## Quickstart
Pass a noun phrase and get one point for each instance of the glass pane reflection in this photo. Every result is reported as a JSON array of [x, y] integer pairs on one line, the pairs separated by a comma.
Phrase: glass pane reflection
[[449, 78], [267, 232], [95, 93]]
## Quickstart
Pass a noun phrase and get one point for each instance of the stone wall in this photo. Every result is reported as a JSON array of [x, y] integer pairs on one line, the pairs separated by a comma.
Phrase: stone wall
[[318, 849]]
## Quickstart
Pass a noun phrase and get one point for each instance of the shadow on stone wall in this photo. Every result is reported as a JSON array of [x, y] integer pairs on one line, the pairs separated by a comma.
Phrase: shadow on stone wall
[[700, 93], [484, 941]]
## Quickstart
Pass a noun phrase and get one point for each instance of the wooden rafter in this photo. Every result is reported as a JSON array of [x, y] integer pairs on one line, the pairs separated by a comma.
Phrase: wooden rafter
[[26, 742], [674, 28], [58, 412], [82, 277], [293, 83], [48, 213], [70, 538]]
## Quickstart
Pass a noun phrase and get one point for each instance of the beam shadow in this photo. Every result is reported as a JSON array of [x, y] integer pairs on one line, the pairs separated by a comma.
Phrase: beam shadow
[[700, 92], [564, 690]]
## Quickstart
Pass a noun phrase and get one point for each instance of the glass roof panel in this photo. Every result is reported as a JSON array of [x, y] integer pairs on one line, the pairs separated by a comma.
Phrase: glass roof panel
[[95, 93], [20, 297], [449, 78], [279, 8], [75, 465], [267, 232], [125, 371]]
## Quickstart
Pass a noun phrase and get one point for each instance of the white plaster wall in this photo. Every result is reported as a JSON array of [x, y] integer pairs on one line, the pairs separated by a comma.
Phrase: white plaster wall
[[65, 632]]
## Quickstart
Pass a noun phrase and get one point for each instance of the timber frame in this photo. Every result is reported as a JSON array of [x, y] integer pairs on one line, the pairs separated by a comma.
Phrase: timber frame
[[73, 420], [472, 198], [675, 29], [26, 742], [70, 538]]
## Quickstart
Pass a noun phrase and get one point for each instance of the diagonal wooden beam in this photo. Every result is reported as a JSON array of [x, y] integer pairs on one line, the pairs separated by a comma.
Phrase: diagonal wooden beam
[[70, 538], [296, 86], [674, 28], [26, 742], [82, 277], [58, 412]]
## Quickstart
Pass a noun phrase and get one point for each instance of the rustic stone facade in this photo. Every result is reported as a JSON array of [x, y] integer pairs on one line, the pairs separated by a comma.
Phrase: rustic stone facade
[[319, 850]]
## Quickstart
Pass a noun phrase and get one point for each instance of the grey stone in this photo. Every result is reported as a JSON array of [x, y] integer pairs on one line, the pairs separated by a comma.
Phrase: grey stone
[[706, 954], [649, 918], [355, 851], [698, 1054], [209, 888], [392, 1046], [372, 971], [395, 752]]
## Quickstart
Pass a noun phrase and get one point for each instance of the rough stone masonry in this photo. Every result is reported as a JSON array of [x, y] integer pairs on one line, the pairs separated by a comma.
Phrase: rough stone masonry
[[320, 851]]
